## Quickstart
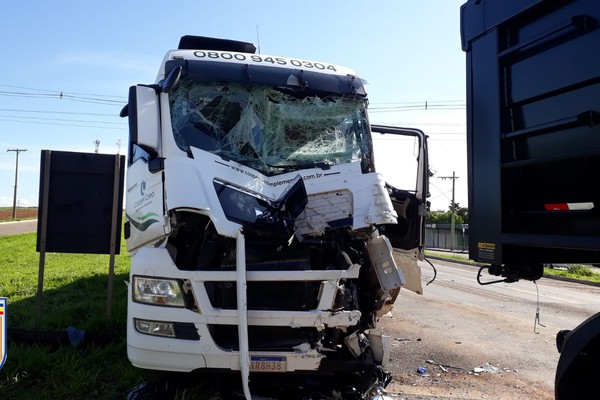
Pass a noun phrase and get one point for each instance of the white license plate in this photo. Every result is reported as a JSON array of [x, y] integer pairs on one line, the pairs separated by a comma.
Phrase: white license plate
[[267, 364]]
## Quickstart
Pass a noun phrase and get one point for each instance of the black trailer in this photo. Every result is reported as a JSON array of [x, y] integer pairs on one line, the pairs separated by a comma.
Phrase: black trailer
[[533, 137]]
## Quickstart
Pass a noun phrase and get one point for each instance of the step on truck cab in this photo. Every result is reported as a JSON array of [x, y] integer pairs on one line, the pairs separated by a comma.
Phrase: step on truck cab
[[263, 238], [533, 138]]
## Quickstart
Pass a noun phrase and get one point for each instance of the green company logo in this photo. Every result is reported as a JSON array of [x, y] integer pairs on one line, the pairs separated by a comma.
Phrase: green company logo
[[144, 221]]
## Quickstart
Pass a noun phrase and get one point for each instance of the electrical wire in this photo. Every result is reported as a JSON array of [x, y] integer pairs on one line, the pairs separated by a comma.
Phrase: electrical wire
[[434, 271], [61, 124], [57, 112], [50, 94], [64, 120], [59, 91], [537, 310]]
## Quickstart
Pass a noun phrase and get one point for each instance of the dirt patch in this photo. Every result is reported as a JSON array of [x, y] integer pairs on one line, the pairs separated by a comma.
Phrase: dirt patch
[[6, 213], [437, 384]]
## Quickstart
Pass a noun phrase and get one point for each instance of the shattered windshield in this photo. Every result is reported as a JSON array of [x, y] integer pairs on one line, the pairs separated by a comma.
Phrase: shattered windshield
[[269, 129]]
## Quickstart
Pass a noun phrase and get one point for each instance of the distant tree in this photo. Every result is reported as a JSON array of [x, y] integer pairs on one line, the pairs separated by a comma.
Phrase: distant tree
[[463, 212], [461, 216]]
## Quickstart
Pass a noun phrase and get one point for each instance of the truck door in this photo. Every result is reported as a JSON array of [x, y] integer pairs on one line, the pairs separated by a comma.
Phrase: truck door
[[145, 210], [145, 205], [400, 155]]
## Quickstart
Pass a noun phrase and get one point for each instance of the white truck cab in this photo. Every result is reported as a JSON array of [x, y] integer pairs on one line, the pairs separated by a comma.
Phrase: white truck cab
[[263, 237]]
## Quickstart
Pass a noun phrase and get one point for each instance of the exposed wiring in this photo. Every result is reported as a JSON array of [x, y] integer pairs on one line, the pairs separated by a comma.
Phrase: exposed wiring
[[490, 282], [434, 271]]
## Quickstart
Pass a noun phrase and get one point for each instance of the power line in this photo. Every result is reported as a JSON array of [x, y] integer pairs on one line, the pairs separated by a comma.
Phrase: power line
[[63, 119], [55, 91], [422, 101], [48, 94], [62, 96], [57, 112], [441, 192], [61, 124], [423, 105], [429, 123]]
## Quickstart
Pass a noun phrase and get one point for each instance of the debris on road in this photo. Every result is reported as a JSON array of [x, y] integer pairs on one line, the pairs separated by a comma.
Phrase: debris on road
[[444, 367], [486, 368]]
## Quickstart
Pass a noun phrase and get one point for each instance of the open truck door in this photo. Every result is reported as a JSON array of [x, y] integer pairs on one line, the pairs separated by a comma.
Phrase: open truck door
[[145, 206], [401, 157]]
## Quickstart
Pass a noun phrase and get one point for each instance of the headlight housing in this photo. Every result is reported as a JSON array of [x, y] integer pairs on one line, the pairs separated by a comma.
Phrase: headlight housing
[[155, 328], [158, 291]]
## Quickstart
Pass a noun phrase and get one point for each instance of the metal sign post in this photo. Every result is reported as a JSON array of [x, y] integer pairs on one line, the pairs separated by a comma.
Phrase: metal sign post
[[113, 237], [43, 221]]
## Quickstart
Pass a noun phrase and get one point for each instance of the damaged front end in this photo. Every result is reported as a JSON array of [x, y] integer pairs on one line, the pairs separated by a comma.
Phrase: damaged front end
[[297, 289], [317, 295], [262, 239]]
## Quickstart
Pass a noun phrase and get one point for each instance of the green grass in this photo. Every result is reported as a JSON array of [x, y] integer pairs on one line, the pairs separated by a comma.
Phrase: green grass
[[573, 271], [450, 256], [74, 295]]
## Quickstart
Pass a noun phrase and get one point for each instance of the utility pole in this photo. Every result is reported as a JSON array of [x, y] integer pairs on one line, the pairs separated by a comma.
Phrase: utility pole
[[17, 151], [452, 210]]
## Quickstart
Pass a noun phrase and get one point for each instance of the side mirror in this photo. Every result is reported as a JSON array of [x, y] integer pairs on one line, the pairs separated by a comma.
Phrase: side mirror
[[144, 121], [171, 80]]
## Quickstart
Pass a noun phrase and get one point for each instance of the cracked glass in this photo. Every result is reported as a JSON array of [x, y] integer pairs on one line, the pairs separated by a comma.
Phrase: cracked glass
[[272, 130]]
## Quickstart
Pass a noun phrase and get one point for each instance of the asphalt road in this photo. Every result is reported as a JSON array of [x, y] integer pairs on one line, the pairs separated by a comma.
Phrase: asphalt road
[[18, 227], [483, 336]]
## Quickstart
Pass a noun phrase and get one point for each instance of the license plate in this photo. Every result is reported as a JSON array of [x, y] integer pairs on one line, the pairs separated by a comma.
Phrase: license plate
[[267, 364]]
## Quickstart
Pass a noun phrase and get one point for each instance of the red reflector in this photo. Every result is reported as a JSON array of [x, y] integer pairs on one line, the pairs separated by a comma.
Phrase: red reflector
[[556, 207], [568, 206]]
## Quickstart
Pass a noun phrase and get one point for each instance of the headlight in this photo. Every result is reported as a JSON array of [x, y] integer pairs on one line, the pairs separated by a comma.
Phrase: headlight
[[158, 291], [155, 328], [259, 215]]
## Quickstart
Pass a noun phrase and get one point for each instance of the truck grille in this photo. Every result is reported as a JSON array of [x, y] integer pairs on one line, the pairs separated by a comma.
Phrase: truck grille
[[274, 296]]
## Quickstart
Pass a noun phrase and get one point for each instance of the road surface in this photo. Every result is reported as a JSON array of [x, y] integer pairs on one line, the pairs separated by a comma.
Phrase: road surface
[[466, 327], [18, 227]]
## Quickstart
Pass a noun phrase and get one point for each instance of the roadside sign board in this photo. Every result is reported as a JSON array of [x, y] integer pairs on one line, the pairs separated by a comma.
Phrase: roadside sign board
[[77, 199]]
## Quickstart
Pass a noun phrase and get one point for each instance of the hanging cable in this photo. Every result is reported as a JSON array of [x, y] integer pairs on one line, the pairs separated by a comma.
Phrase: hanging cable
[[537, 310], [434, 271]]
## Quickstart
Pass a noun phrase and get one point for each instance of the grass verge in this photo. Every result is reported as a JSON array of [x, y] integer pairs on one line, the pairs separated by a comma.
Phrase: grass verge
[[572, 271], [74, 296]]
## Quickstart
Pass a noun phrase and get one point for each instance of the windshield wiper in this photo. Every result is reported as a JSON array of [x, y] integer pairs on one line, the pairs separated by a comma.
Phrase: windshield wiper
[[294, 167]]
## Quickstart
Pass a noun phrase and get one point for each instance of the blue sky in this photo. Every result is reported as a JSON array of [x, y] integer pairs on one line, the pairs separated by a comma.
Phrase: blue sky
[[91, 52]]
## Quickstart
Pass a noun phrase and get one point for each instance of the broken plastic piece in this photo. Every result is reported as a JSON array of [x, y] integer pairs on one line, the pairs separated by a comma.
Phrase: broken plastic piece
[[76, 336]]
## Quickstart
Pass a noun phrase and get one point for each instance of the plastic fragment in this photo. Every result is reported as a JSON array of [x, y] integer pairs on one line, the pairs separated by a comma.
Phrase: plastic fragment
[[76, 336]]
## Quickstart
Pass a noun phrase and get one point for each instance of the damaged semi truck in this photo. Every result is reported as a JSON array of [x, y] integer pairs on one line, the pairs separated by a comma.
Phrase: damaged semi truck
[[264, 238]]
